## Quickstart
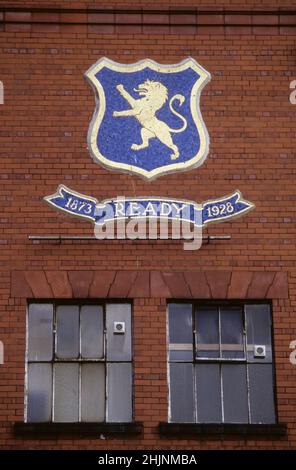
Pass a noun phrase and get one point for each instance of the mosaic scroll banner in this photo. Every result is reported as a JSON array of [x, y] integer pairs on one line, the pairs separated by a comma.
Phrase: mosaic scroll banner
[[119, 208]]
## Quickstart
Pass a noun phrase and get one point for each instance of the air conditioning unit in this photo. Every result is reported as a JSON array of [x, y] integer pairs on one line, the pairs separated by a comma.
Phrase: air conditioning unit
[[119, 328], [259, 351]]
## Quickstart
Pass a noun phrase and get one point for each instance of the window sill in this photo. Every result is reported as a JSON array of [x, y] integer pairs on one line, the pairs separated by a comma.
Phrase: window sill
[[222, 430], [94, 429]]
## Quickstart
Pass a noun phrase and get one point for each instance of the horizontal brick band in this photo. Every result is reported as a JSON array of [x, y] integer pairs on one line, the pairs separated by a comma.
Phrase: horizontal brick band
[[145, 21], [150, 284]]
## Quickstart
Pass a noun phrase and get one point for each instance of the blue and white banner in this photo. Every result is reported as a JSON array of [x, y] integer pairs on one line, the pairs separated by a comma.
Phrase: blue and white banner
[[224, 208]]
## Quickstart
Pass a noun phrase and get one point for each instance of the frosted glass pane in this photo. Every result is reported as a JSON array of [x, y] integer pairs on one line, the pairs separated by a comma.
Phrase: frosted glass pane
[[67, 331], [66, 389], [235, 396], [208, 393], [180, 331], [39, 392], [232, 332], [93, 392], [181, 393], [92, 331], [261, 393], [40, 339], [207, 332], [119, 392], [258, 321], [118, 345]]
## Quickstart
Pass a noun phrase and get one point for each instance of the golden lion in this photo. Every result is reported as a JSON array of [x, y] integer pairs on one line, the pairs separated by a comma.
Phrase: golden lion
[[155, 94]]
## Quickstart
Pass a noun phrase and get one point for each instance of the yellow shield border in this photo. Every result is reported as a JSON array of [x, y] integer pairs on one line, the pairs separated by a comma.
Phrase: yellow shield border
[[204, 78]]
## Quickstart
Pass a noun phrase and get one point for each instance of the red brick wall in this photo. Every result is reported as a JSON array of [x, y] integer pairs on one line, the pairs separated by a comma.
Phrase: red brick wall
[[44, 121]]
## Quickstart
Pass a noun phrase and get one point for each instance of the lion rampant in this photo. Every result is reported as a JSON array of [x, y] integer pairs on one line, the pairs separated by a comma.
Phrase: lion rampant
[[155, 95]]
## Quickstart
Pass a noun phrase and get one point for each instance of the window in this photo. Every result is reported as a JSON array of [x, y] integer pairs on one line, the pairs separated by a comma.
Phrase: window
[[220, 363], [79, 363]]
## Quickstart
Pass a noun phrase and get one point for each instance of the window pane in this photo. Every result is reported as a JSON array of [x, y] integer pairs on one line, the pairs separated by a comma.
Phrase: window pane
[[207, 332], [67, 331], [93, 392], [119, 392], [39, 392], [235, 396], [40, 341], [208, 393], [92, 331], [66, 388], [181, 393], [258, 321], [118, 345], [261, 393], [232, 332], [180, 332]]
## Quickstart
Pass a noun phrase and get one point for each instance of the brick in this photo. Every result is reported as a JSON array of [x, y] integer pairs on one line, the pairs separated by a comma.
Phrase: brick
[[59, 283], [279, 287], [239, 284], [45, 28], [156, 29], [156, 19], [45, 17], [101, 18], [19, 285], [122, 283], [265, 20], [101, 29], [186, 29], [289, 20], [198, 285], [80, 282], [17, 16], [238, 20], [17, 27], [158, 286], [101, 284], [177, 284], [206, 19], [218, 282], [182, 19], [132, 18], [128, 29], [38, 284], [141, 285], [261, 281]]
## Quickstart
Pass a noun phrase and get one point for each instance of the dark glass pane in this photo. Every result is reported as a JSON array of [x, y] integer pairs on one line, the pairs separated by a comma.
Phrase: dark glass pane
[[208, 393], [207, 332], [92, 331], [232, 332], [40, 339], [180, 332], [39, 392], [181, 393], [235, 396], [68, 331], [261, 393], [258, 323]]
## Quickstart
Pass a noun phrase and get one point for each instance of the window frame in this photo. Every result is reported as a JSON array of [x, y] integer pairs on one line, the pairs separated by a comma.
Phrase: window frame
[[56, 360], [195, 360]]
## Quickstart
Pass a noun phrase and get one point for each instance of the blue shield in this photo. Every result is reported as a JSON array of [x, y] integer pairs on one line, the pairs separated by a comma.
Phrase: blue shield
[[147, 119]]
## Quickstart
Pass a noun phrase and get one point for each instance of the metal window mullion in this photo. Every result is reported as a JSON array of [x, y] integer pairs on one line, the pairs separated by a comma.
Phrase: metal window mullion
[[194, 356], [247, 364], [220, 366], [54, 331], [105, 360]]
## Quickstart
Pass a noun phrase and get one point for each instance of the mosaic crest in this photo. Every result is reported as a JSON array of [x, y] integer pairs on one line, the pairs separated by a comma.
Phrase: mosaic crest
[[147, 119]]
